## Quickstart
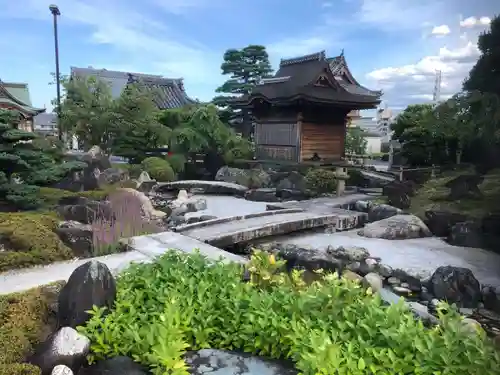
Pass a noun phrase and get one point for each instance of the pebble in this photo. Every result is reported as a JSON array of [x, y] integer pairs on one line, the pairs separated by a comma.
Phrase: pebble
[[405, 285], [401, 290], [393, 280]]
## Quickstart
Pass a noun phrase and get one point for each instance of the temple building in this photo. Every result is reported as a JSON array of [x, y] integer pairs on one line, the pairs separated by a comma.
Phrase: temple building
[[167, 93], [16, 96], [302, 112]]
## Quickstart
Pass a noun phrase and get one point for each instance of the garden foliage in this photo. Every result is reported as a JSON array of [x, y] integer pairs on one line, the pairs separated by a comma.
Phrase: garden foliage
[[24, 165], [158, 169], [331, 326], [321, 181]]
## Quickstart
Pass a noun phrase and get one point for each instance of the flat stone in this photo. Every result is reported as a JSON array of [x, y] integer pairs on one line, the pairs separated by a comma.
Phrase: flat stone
[[374, 281], [208, 187]]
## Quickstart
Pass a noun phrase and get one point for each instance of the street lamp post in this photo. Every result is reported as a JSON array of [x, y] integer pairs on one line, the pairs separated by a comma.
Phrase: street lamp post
[[55, 12]]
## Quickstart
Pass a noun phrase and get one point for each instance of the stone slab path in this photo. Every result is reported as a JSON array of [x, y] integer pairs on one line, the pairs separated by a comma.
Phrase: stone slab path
[[323, 205], [144, 250]]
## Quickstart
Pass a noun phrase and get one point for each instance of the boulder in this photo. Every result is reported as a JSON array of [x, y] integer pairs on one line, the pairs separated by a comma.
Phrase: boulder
[[464, 186], [145, 183], [213, 361], [251, 178], [351, 253], [467, 234], [147, 209], [289, 181], [456, 285], [441, 222], [86, 211], [112, 176], [373, 280], [115, 366], [382, 211], [77, 236], [64, 347], [262, 195], [61, 370], [399, 227], [398, 194], [90, 284]]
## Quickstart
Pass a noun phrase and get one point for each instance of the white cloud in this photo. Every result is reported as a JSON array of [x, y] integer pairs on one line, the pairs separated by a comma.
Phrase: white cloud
[[326, 4], [470, 22], [414, 82], [441, 30]]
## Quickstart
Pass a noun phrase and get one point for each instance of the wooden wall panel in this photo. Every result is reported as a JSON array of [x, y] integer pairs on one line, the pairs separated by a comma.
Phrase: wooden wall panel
[[327, 140]]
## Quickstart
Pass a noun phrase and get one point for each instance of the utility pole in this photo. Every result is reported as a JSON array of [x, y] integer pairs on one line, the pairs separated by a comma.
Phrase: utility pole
[[55, 13]]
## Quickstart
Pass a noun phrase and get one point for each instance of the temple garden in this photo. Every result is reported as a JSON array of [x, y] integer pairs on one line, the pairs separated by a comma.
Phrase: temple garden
[[218, 249]]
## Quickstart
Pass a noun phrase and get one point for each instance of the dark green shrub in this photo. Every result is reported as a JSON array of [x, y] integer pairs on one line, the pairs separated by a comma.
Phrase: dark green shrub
[[321, 181], [159, 169], [331, 326]]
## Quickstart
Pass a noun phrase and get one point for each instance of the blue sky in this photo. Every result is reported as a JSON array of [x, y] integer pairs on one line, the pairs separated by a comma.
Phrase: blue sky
[[394, 45]]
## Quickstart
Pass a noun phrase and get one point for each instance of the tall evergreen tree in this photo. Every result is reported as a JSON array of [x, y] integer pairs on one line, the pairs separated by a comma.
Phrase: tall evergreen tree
[[246, 68], [24, 166], [485, 75]]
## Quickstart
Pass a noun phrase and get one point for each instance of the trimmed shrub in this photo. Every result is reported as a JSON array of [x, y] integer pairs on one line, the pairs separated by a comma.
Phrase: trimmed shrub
[[51, 196], [330, 326], [321, 181], [158, 169], [29, 240], [24, 319]]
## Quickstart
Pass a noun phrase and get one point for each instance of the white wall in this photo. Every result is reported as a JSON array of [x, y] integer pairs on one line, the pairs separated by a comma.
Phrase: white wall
[[373, 145]]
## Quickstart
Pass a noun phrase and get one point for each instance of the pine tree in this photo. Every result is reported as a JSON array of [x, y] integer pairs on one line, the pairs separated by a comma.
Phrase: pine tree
[[23, 166], [246, 68]]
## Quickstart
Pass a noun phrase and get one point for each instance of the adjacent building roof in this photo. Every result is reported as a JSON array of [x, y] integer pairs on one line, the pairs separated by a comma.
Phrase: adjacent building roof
[[168, 93], [314, 78], [17, 96]]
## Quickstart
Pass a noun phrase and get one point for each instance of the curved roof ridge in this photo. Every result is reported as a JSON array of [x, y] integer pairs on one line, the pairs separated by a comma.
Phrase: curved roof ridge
[[318, 56]]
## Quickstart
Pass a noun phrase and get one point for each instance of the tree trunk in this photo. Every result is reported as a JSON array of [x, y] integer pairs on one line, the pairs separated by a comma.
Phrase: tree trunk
[[458, 155]]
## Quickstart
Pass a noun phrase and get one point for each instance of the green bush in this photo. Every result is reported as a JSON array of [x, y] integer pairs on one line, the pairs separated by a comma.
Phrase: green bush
[[30, 240], [158, 169], [23, 324], [321, 181], [331, 326]]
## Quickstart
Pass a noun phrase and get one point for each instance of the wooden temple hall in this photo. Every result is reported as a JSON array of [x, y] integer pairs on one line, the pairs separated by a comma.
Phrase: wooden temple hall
[[301, 113]]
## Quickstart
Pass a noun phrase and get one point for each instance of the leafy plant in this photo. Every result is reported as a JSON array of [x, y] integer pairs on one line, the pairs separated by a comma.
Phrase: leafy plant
[[331, 326], [321, 181], [158, 169]]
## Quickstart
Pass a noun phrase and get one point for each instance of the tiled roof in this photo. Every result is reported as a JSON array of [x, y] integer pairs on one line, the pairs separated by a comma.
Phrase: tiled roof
[[167, 93], [17, 95], [296, 79]]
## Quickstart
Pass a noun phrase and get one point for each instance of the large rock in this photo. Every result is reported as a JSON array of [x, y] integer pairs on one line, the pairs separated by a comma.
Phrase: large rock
[[352, 253], [212, 361], [398, 194], [112, 176], [262, 195], [77, 236], [441, 222], [467, 234], [65, 347], [399, 227], [382, 211], [61, 370], [251, 178], [91, 284], [147, 209], [145, 183], [86, 211], [115, 366], [456, 285]]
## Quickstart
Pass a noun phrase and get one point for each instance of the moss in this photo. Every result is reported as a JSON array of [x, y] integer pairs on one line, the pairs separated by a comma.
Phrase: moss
[[29, 239], [433, 196], [24, 322], [51, 196]]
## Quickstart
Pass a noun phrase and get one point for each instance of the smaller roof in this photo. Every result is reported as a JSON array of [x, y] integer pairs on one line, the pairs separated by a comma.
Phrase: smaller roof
[[17, 95], [167, 93], [314, 78]]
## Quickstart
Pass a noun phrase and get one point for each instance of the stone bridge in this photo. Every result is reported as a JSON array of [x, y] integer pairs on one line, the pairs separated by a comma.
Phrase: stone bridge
[[227, 231]]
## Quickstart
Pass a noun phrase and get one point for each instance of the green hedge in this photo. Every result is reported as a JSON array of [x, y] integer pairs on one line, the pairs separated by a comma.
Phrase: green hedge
[[321, 181], [158, 169], [30, 240], [331, 326]]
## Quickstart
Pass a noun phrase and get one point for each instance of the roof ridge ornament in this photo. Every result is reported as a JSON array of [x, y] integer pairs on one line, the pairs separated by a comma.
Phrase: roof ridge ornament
[[264, 81], [319, 56]]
